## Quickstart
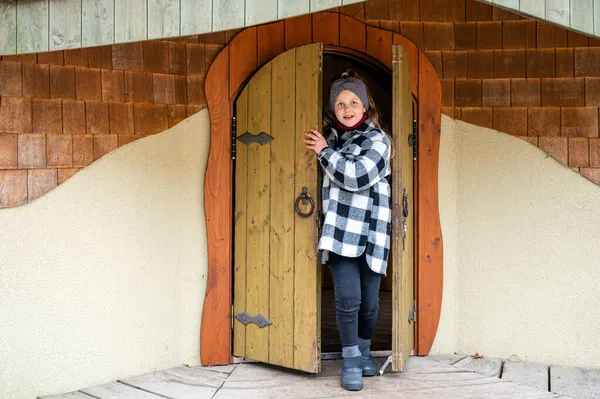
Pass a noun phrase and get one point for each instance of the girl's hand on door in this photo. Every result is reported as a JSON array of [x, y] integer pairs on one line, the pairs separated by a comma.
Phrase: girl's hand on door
[[315, 141]]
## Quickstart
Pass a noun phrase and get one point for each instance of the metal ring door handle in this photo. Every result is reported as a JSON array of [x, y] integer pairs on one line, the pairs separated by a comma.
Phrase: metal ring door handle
[[304, 197]]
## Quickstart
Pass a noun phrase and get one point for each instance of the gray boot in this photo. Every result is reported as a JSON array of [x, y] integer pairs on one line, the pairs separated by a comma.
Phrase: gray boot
[[369, 369], [351, 371]]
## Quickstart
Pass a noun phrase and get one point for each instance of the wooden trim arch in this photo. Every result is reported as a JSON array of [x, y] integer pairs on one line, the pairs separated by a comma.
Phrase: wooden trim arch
[[235, 64]]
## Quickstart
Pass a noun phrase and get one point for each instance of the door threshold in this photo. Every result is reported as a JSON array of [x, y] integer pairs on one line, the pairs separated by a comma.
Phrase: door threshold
[[338, 355]]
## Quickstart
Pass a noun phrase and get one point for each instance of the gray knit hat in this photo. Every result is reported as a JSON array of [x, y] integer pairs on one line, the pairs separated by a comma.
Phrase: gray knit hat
[[351, 83]]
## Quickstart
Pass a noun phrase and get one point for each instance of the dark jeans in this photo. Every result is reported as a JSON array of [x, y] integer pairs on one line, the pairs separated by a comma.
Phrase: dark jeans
[[356, 297]]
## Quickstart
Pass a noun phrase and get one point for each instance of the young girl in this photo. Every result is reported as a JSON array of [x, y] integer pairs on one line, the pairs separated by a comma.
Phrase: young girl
[[355, 241]]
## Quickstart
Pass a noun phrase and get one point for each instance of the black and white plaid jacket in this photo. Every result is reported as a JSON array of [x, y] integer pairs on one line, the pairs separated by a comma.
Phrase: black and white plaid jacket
[[356, 195]]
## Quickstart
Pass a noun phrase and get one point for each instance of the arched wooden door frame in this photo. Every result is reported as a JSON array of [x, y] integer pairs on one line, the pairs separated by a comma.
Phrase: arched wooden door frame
[[233, 66]]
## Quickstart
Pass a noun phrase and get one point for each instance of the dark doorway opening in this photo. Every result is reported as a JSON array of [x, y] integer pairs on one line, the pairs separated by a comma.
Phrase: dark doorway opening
[[379, 79]]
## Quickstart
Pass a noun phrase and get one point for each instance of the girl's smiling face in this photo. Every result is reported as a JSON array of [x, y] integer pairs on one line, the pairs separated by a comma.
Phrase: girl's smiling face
[[349, 110]]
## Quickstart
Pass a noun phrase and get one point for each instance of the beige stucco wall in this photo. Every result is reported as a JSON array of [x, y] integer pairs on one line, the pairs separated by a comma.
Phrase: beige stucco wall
[[104, 276], [521, 251]]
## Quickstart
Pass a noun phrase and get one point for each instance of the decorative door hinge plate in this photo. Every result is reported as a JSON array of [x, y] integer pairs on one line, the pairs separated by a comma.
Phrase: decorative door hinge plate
[[262, 138], [260, 320]]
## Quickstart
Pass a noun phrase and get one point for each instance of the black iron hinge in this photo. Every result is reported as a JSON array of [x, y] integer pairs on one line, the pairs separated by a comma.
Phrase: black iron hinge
[[233, 136], [413, 139]]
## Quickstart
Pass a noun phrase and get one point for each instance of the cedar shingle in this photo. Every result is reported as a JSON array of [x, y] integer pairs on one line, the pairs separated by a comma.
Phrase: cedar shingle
[[46, 116], [592, 174], [435, 57], [579, 154], [550, 36], [540, 63], [579, 121], [565, 62], [511, 120], [477, 116], [96, 117], [176, 113], [60, 150], [480, 64], [592, 92], [555, 146], [587, 62], [454, 64], [139, 87], [10, 79], [104, 143], [565, 92], [40, 181], [575, 39], [77, 57], [113, 86], [413, 31], [594, 152], [467, 93], [465, 35], [121, 118], [476, 11], [489, 35], [180, 90], [518, 34], [62, 82], [156, 56], [88, 84], [164, 89], [13, 187], [543, 121], [73, 117], [195, 90], [438, 36], [65, 174], [177, 58], [8, 151], [32, 150], [509, 64], [150, 118], [128, 56], [100, 57], [500, 14], [526, 92], [495, 93], [51, 57], [447, 92], [83, 150], [15, 115], [36, 81]]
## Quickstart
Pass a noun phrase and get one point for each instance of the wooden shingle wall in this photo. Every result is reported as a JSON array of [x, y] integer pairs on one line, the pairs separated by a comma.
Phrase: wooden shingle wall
[[580, 15], [60, 111], [28, 26], [531, 79]]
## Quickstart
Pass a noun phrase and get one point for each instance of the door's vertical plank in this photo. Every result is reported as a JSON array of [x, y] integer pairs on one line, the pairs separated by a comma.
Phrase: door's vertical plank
[[227, 14], [196, 16], [558, 11], [320, 5], [535, 8], [412, 53], [288, 8], [8, 27], [259, 197], [32, 26], [163, 18], [260, 11], [98, 20], [282, 211], [402, 180], [65, 24], [240, 226], [430, 246], [307, 274], [215, 335], [131, 21], [582, 15]]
